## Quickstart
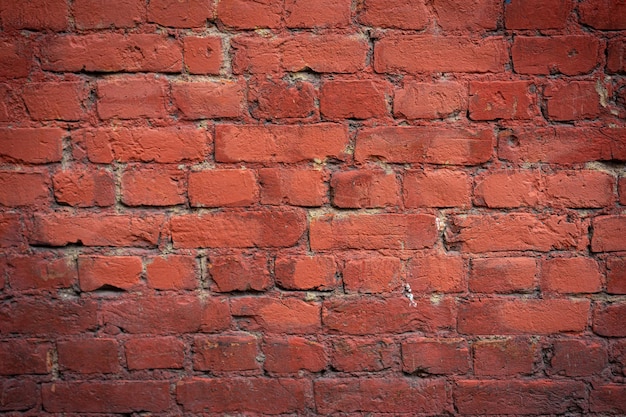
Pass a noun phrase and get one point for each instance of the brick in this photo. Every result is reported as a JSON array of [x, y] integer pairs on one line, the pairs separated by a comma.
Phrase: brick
[[537, 14], [48, 317], [362, 316], [20, 357], [154, 353], [41, 271], [406, 54], [203, 100], [572, 100], [325, 53], [603, 14], [515, 231], [15, 57], [502, 100], [226, 352], [34, 146], [474, 15], [303, 14], [35, 15], [372, 275], [608, 234], [277, 99], [83, 186], [423, 356], [180, 13], [376, 231], [580, 189], [616, 58], [246, 14], [203, 55], [119, 272], [255, 54], [519, 397], [424, 144], [502, 275], [437, 273], [88, 356], [353, 99], [223, 188], [504, 357], [616, 275], [350, 355], [293, 354], [132, 97], [255, 395], [617, 354], [23, 189], [105, 230], [162, 145], [380, 395], [55, 100], [106, 396], [280, 143], [153, 186], [94, 14], [270, 315], [419, 100], [568, 54], [508, 189], [18, 395], [398, 14], [522, 316], [621, 188], [171, 272], [185, 314], [240, 272], [608, 320], [365, 188], [296, 187], [11, 104], [578, 358], [306, 272], [436, 188], [570, 275], [608, 398], [11, 230]]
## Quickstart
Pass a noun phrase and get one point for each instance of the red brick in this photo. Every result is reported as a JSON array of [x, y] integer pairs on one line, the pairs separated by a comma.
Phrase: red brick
[[296, 187], [621, 187], [502, 275], [104, 230], [246, 14], [365, 188], [15, 57], [398, 14], [153, 186], [569, 55], [437, 273], [325, 53], [354, 99], [523, 316], [132, 97], [350, 355], [608, 234], [608, 320], [422, 356], [11, 103], [270, 315], [374, 274], [55, 100], [515, 231], [203, 55], [436, 188], [474, 15], [519, 397], [95, 14], [616, 59], [240, 272], [419, 100], [504, 357], [380, 395], [373, 231], [603, 14], [277, 99], [88, 356], [35, 15], [580, 189], [306, 272], [537, 14], [616, 275], [23, 189], [18, 394], [226, 352], [35, 146], [303, 14], [419, 144], [570, 275], [202, 100], [19, 357], [117, 396], [508, 189], [41, 271], [223, 188], [255, 395], [280, 143], [48, 316], [83, 186], [572, 100], [617, 355], [11, 230], [608, 399], [416, 54], [172, 272], [155, 353], [502, 100], [163, 145], [120, 272], [255, 54], [293, 354], [180, 13], [578, 358]]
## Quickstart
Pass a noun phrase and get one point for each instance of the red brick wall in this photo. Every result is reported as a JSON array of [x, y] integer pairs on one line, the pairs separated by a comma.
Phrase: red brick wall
[[309, 207]]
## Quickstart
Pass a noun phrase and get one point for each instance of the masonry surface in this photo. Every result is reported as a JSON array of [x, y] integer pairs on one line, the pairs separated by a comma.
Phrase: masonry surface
[[312, 207]]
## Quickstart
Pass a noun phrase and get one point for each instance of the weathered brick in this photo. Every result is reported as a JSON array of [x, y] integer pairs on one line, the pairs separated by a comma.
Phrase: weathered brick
[[24, 189], [603, 14], [223, 188], [296, 187], [365, 188], [277, 99], [171, 272], [271, 315], [55, 100], [302, 14], [121, 272], [324, 53], [21, 357], [293, 354], [570, 275], [88, 356], [202, 100], [436, 188], [180, 13], [306, 272], [437, 273], [240, 272], [423, 356], [375, 274], [537, 14], [84, 186], [31, 145], [95, 14], [226, 352], [399, 14], [41, 271], [473, 15], [502, 100], [504, 357], [353, 99], [568, 54], [203, 55], [419, 100], [154, 353], [35, 15], [502, 275], [572, 100], [578, 358], [153, 186], [608, 234]]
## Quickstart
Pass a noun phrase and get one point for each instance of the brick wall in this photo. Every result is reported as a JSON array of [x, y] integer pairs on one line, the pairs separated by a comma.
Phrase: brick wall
[[313, 207]]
